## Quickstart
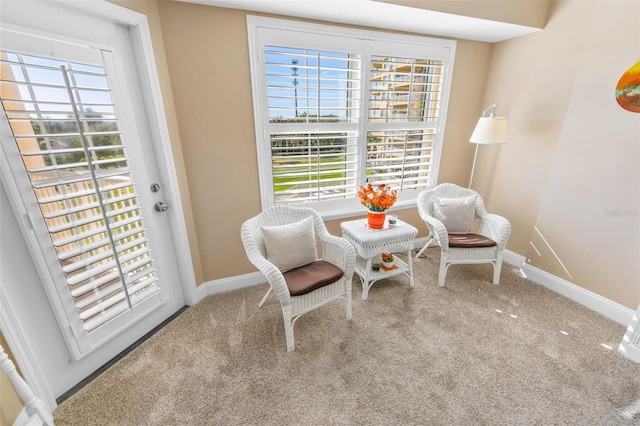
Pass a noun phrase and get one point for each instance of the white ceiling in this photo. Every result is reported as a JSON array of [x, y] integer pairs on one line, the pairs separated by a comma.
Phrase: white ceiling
[[382, 15]]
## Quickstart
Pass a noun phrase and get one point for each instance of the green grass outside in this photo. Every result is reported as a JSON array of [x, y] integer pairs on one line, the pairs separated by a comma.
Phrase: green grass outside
[[279, 183]]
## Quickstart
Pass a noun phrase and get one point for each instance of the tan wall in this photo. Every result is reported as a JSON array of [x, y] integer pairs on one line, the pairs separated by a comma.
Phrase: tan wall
[[208, 60], [10, 402], [150, 9], [209, 65], [573, 155], [532, 13]]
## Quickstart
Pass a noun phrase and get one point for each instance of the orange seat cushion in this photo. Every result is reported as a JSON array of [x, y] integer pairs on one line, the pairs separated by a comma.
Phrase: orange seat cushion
[[311, 277], [470, 240]]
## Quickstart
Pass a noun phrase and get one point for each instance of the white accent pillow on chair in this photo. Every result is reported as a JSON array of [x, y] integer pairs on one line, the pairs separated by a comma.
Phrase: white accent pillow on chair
[[457, 214], [290, 246]]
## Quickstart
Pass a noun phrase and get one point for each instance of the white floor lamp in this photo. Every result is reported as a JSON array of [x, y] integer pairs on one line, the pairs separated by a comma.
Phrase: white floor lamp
[[489, 130]]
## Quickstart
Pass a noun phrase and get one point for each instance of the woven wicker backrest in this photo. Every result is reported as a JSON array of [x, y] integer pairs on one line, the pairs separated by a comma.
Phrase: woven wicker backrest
[[448, 190], [251, 232]]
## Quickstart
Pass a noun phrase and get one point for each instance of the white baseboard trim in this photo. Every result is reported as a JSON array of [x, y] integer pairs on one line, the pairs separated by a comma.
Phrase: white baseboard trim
[[229, 284], [630, 351], [630, 345], [513, 258], [608, 308]]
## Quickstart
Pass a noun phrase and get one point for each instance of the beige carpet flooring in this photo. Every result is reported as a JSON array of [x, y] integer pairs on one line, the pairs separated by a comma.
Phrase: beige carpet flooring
[[470, 353]]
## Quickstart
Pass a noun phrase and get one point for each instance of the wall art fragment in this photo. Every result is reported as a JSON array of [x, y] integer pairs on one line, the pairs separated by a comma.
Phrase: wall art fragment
[[628, 89]]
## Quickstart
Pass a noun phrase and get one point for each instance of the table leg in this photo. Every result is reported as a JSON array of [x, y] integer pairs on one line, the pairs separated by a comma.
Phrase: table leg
[[410, 266], [365, 282]]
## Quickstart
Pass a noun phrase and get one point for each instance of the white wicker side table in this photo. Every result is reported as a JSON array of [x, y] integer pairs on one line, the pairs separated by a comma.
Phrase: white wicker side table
[[370, 243]]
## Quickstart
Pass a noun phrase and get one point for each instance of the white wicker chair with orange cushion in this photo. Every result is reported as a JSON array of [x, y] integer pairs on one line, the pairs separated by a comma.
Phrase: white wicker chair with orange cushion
[[450, 212], [281, 242]]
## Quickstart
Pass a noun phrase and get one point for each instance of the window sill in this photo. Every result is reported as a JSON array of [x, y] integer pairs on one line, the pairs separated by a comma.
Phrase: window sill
[[355, 212]]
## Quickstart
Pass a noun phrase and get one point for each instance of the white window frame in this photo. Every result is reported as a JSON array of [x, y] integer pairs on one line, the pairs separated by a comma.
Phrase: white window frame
[[278, 32]]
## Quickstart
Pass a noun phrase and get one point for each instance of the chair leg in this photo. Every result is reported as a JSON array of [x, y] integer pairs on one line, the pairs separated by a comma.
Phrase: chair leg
[[442, 273], [426, 246], [348, 300], [264, 299], [288, 328], [497, 267]]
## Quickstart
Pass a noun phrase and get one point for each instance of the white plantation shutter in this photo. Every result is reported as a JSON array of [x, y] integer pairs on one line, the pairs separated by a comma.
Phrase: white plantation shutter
[[403, 159], [404, 104], [336, 108], [405, 89], [310, 86], [313, 106], [313, 167], [66, 132]]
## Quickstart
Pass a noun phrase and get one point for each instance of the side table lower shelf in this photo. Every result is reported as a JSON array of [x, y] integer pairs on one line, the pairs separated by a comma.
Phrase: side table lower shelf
[[368, 276]]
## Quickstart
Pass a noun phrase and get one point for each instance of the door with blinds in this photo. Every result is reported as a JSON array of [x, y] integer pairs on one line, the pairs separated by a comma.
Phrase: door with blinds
[[81, 159]]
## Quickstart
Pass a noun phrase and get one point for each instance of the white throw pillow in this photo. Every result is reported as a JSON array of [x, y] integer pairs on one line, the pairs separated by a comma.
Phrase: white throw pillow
[[457, 214], [290, 246]]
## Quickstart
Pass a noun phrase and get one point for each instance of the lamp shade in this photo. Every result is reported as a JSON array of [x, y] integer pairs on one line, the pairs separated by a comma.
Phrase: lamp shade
[[490, 130]]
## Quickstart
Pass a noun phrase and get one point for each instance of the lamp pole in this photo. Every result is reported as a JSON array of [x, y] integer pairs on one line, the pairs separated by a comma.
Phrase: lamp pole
[[473, 168], [294, 69]]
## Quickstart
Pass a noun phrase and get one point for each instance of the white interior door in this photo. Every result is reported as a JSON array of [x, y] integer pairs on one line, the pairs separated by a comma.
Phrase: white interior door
[[78, 153]]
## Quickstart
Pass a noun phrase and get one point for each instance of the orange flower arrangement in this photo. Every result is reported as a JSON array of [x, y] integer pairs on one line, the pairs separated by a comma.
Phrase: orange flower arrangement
[[377, 198], [387, 257]]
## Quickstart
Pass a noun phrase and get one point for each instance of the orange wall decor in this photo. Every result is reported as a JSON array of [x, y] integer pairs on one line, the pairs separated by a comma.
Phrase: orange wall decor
[[628, 89]]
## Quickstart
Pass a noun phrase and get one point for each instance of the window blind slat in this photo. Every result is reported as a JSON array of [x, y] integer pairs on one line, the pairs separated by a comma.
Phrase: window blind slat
[[61, 151], [113, 311], [94, 285], [117, 297], [81, 249], [85, 262], [71, 221], [88, 206], [71, 178], [97, 230], [65, 193], [99, 268], [82, 164], [90, 324], [75, 223], [108, 290]]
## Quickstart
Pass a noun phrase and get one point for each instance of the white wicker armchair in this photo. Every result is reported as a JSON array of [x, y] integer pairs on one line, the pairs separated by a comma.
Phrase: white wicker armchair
[[495, 228], [335, 250]]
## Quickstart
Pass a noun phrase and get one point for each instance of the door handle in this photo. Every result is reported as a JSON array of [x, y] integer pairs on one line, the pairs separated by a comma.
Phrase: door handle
[[160, 207]]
